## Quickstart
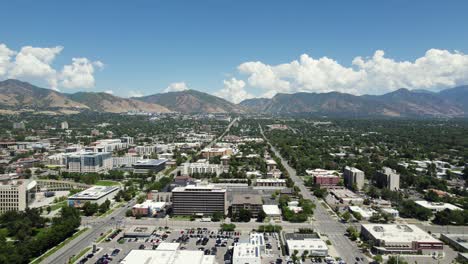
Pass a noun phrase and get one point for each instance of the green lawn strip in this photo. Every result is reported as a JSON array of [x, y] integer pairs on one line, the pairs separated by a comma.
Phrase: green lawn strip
[[180, 218], [104, 236], [112, 209], [59, 246], [107, 183], [58, 205], [77, 257]]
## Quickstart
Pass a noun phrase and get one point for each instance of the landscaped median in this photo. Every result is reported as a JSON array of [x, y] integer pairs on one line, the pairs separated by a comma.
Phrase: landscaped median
[[59, 246], [77, 257]]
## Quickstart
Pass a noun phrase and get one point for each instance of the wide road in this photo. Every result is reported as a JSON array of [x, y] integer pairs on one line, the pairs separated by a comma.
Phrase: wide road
[[97, 226], [324, 221]]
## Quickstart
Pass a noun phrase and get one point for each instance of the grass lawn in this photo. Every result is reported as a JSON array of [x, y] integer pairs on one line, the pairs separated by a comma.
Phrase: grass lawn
[[59, 246], [181, 217], [107, 183], [58, 205], [77, 257]]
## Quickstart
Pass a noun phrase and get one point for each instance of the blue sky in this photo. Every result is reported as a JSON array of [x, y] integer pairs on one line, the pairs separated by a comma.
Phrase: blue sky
[[147, 45]]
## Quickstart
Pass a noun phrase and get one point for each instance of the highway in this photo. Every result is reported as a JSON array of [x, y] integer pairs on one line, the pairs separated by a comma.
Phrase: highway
[[324, 222]]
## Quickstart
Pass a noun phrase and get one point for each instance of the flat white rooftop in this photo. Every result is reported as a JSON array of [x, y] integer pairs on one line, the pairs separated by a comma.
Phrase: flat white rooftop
[[271, 209], [437, 206], [392, 233], [94, 193], [168, 257]]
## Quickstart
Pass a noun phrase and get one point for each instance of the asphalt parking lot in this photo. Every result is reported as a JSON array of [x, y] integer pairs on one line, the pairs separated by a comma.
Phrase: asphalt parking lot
[[211, 242]]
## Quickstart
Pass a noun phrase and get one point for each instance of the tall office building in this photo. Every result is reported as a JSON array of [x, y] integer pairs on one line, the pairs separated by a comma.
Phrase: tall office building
[[83, 162], [198, 200], [15, 195], [353, 177], [388, 178]]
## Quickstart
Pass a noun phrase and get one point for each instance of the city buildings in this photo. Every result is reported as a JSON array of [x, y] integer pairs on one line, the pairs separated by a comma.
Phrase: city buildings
[[83, 162], [198, 200], [388, 178], [437, 207], [353, 178], [149, 165], [253, 203], [271, 164], [95, 194], [15, 195], [401, 239], [306, 242]]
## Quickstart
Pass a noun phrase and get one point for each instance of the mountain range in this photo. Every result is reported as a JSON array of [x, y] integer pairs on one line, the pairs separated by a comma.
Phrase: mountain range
[[448, 103], [16, 96]]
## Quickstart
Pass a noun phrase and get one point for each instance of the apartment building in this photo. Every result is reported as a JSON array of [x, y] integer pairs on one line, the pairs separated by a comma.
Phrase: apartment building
[[250, 202], [353, 178], [388, 178]]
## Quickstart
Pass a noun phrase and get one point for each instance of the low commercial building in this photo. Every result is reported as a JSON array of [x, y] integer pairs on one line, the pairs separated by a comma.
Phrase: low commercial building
[[252, 203], [95, 194], [168, 253], [246, 253], [15, 195], [273, 183], [198, 200], [272, 211], [148, 208], [306, 242], [401, 239], [437, 207], [390, 211], [149, 165], [138, 231], [346, 197], [457, 241], [353, 178], [366, 213]]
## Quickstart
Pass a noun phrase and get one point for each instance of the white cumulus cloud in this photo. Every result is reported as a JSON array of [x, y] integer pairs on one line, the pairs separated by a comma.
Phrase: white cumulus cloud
[[36, 63], [135, 94], [176, 87], [79, 74], [373, 75], [233, 90]]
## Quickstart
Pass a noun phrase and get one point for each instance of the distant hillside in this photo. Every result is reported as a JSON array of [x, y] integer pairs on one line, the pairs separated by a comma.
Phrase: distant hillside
[[192, 101], [457, 95], [400, 103], [104, 102], [21, 96], [17, 95]]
